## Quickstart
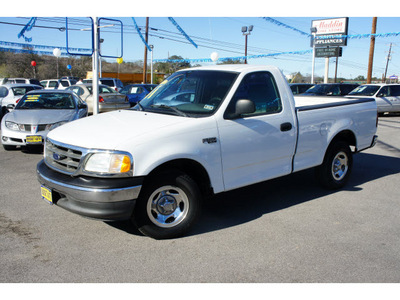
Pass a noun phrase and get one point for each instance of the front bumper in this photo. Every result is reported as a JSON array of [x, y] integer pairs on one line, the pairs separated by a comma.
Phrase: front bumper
[[18, 138], [99, 198]]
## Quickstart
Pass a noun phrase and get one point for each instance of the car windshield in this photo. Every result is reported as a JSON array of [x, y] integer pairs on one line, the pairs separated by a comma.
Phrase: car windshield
[[320, 89], [46, 101], [189, 93], [19, 91], [365, 90], [102, 89]]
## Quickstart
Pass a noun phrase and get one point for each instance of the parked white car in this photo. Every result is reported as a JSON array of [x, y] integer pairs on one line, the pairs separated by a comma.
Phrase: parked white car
[[113, 83], [49, 84], [11, 93], [19, 80], [387, 96]]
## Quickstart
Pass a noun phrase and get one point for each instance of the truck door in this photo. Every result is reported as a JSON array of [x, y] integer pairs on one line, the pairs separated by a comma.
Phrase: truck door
[[257, 146]]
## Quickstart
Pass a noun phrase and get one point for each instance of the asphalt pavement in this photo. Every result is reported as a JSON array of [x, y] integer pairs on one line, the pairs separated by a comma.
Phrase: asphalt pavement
[[285, 230]]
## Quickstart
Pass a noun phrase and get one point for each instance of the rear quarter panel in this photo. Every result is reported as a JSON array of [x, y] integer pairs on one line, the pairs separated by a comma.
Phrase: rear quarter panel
[[319, 126]]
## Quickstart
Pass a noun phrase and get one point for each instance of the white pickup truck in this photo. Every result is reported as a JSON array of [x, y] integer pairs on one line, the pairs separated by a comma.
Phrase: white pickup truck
[[202, 131]]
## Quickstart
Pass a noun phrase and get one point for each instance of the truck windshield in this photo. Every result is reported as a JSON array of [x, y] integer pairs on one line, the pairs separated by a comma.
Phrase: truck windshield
[[195, 93], [365, 90]]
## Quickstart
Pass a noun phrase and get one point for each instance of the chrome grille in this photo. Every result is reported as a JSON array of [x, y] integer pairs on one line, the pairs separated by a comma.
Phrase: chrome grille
[[62, 157]]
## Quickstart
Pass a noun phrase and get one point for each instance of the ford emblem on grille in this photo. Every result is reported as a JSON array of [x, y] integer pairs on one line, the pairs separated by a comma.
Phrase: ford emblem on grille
[[57, 156]]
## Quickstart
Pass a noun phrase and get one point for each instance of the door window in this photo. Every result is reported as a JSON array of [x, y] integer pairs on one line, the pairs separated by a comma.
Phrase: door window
[[384, 92], [259, 87], [395, 90]]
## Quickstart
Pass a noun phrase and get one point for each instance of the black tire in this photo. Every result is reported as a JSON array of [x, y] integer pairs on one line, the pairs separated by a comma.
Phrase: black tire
[[336, 167], [168, 207]]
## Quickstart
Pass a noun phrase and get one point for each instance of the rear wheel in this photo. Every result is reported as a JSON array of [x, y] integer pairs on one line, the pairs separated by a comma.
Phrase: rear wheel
[[336, 167], [168, 207]]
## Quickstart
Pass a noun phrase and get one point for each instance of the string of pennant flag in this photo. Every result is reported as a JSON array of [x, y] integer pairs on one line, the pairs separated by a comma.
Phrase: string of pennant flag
[[13, 50], [32, 21], [11, 44]]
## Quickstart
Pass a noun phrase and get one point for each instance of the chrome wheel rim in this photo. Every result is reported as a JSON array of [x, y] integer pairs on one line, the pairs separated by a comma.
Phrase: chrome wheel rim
[[167, 206], [340, 166]]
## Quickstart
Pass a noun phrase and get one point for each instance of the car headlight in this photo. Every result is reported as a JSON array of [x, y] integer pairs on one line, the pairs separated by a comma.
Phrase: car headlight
[[109, 163], [15, 126], [55, 125]]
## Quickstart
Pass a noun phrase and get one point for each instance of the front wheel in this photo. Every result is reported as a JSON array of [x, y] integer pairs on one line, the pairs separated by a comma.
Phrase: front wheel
[[336, 167], [168, 207]]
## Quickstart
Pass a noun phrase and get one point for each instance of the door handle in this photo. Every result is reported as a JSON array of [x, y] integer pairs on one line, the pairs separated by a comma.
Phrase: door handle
[[286, 126]]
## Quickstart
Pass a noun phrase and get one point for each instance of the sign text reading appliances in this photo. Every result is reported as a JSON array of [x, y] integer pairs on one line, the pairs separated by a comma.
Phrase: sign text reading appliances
[[330, 32]]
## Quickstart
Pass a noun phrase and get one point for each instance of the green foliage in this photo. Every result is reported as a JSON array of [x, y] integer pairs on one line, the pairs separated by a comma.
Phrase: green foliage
[[19, 65], [231, 62], [171, 67]]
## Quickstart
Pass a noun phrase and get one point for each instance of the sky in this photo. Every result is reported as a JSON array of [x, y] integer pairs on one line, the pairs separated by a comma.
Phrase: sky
[[215, 26]]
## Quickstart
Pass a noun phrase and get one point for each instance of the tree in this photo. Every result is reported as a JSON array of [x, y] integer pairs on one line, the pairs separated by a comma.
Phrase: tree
[[171, 67], [297, 78], [360, 78], [230, 61]]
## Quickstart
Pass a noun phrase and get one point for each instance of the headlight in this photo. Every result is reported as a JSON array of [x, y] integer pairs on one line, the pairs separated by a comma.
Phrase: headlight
[[55, 125], [109, 163], [15, 126]]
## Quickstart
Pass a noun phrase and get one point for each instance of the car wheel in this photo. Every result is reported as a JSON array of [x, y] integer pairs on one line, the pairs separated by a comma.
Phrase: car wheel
[[168, 206], [336, 167]]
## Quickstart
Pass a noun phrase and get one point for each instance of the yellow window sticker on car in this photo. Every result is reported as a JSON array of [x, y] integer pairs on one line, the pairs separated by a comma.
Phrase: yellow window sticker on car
[[32, 98], [209, 107]]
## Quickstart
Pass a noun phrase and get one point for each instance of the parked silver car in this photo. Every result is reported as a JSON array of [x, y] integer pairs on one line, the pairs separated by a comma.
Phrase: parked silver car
[[36, 114], [11, 93], [109, 99], [387, 96]]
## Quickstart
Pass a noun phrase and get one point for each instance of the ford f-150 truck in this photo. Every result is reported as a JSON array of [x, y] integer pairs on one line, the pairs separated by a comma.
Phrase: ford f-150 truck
[[201, 132]]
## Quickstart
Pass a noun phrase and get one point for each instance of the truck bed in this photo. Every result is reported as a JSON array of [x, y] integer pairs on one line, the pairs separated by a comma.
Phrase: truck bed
[[315, 102]]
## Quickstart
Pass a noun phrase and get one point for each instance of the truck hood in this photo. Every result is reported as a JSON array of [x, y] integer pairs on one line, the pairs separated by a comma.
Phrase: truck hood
[[109, 130], [40, 116]]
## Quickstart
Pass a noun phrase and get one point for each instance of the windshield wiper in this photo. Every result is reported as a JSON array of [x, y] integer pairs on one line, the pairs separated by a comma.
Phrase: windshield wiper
[[179, 112]]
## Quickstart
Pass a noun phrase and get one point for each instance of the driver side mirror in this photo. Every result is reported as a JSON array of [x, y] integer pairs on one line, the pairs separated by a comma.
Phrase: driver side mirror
[[243, 106], [10, 106]]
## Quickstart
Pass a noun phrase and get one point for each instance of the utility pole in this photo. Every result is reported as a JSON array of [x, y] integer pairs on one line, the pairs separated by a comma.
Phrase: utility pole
[[371, 50], [387, 62], [145, 52]]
